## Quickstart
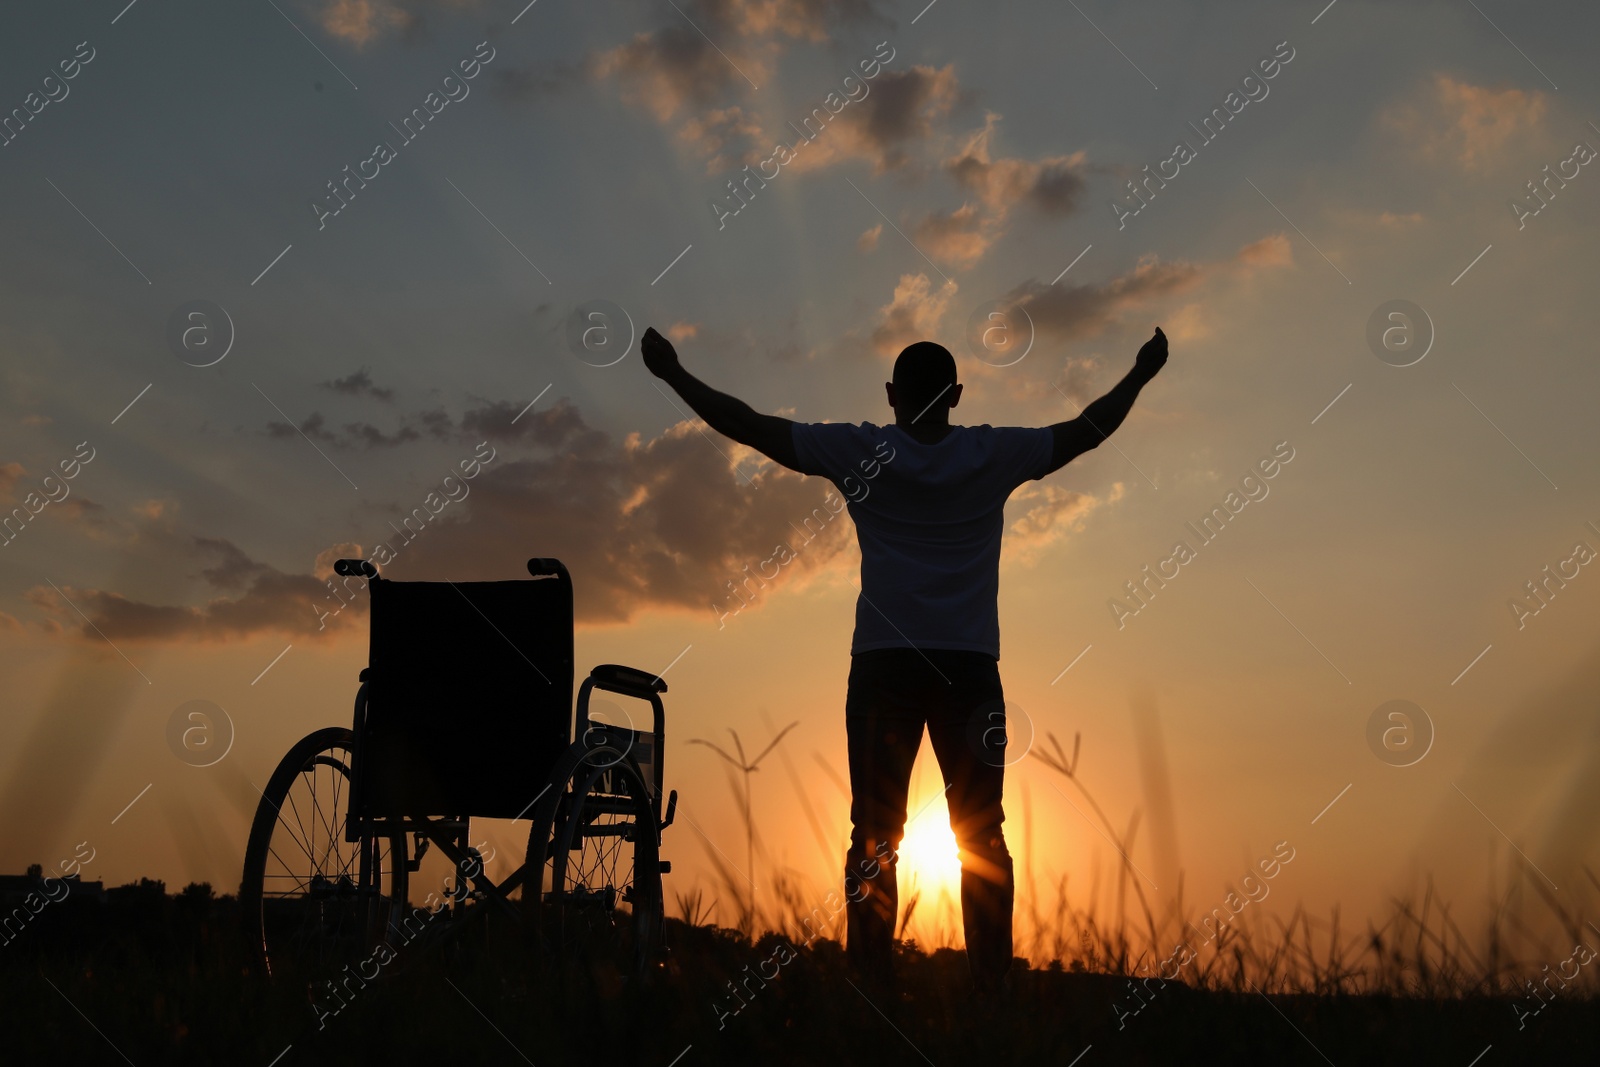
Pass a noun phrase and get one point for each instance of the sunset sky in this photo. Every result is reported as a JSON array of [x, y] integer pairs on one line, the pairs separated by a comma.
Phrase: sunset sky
[[972, 158]]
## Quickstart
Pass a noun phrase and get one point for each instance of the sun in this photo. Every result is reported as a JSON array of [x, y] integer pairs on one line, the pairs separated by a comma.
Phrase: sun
[[929, 857]]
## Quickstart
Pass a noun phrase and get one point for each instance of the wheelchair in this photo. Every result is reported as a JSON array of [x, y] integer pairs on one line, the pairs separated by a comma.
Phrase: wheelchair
[[464, 710]]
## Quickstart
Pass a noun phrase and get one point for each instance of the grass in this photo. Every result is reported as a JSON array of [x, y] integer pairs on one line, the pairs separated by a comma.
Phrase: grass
[[159, 979], [169, 987], [1418, 949]]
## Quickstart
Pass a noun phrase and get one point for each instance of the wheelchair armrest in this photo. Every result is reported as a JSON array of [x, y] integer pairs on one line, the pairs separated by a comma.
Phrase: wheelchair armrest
[[629, 681]]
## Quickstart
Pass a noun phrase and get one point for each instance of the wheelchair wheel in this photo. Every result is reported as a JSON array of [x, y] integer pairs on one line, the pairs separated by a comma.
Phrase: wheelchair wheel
[[600, 848], [310, 900]]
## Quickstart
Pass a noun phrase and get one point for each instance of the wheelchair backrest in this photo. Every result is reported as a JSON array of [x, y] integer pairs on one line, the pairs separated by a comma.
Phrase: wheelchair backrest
[[469, 697]]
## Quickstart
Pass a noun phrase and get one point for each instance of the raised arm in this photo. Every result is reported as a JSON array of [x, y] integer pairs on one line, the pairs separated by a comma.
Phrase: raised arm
[[768, 434], [1101, 418]]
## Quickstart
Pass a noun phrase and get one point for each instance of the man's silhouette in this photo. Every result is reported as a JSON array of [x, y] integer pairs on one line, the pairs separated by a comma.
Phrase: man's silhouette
[[927, 499]]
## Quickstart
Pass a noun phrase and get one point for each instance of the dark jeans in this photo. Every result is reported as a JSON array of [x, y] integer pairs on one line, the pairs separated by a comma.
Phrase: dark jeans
[[893, 693]]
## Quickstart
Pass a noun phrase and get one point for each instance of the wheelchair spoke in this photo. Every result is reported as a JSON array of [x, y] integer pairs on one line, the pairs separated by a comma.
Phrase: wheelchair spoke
[[600, 907], [313, 898], [302, 839]]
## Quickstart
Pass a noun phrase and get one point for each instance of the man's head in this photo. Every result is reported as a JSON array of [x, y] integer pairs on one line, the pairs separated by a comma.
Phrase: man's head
[[924, 387]]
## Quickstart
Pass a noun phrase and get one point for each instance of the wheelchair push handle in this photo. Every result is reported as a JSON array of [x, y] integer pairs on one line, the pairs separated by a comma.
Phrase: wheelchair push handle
[[546, 567], [349, 567]]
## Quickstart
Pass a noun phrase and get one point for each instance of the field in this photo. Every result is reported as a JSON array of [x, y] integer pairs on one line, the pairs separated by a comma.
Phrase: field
[[157, 978], [163, 981]]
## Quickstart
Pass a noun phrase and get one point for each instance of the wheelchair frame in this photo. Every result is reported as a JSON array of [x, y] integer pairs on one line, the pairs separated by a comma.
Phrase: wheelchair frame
[[604, 771]]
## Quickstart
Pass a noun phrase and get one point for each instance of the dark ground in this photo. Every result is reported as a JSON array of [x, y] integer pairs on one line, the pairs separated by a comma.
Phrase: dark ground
[[165, 981]]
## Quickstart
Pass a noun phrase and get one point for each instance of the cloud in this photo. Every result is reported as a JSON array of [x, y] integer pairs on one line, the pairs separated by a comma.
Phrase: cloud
[[912, 315], [725, 138], [10, 474], [322, 567], [1191, 322], [233, 570], [21, 509], [808, 19], [529, 83], [668, 69], [1392, 220], [664, 523], [869, 238], [1088, 310], [1077, 377], [959, 237], [1073, 312], [1049, 513], [358, 22], [257, 598], [1055, 185], [642, 524], [900, 108], [359, 384], [313, 426], [677, 67], [1468, 124], [1273, 250], [434, 423], [682, 331], [560, 426]]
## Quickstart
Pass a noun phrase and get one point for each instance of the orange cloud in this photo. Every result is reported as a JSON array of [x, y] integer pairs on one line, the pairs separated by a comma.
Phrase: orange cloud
[[963, 236], [1076, 312], [675, 67], [1049, 514], [958, 237], [10, 474], [900, 109], [1054, 185], [642, 524], [1273, 250], [1468, 124], [1070, 312], [1191, 322], [1390, 219], [912, 315], [808, 19], [725, 138], [360, 21]]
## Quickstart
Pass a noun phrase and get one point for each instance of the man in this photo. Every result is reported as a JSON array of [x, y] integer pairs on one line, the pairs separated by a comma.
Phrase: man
[[927, 499]]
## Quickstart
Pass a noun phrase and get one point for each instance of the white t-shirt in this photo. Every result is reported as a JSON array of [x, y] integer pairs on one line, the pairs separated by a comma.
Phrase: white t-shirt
[[929, 518]]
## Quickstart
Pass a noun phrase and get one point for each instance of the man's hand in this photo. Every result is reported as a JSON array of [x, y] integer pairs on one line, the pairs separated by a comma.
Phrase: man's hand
[[1153, 356], [661, 359], [767, 434], [1076, 436]]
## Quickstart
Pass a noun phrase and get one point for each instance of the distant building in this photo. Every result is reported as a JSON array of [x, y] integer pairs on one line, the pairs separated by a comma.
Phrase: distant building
[[16, 888]]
